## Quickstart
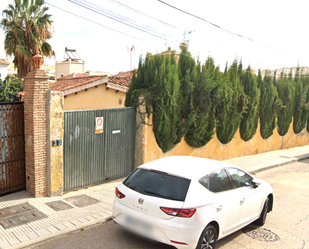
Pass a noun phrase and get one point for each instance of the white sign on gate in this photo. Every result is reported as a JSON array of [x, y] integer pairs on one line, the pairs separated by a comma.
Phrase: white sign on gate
[[98, 125]]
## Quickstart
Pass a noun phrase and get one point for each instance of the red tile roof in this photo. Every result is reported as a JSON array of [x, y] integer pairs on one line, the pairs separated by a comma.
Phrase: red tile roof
[[63, 84], [120, 81], [124, 74]]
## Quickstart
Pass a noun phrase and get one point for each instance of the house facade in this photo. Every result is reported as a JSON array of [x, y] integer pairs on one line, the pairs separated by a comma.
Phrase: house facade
[[83, 91], [3, 69]]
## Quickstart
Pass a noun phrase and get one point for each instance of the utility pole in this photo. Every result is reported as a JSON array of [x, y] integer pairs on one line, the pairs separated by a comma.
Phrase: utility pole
[[131, 49]]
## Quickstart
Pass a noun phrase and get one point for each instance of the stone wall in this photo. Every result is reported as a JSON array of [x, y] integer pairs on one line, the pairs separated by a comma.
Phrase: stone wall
[[215, 149], [56, 131]]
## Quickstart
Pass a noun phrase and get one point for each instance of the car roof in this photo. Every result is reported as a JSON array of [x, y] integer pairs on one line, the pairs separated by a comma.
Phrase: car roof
[[186, 166]]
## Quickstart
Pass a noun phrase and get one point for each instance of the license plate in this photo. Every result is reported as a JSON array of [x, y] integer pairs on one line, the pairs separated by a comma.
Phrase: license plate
[[138, 225]]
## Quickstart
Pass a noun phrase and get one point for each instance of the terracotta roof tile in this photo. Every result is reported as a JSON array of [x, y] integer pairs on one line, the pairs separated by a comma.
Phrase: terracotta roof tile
[[119, 80], [64, 84], [124, 74]]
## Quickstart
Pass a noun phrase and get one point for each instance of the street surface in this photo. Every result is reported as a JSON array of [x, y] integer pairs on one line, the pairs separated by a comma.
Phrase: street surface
[[289, 221]]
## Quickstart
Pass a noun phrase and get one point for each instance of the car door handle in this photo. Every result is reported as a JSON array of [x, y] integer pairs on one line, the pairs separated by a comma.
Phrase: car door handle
[[219, 208], [242, 200]]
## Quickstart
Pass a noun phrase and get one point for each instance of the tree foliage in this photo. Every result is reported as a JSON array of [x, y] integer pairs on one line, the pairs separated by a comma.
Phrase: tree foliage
[[27, 27], [233, 105], [157, 82], [250, 120], [190, 100], [286, 92], [301, 102], [165, 102], [9, 89], [188, 76], [206, 98], [270, 104]]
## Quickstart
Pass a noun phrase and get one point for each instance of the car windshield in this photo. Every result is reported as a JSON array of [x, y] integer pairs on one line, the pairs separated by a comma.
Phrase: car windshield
[[158, 184]]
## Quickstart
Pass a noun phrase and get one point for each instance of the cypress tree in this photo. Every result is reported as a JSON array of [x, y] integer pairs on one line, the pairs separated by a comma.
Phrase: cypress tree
[[270, 104], [187, 73], [301, 103], [286, 93], [249, 122], [165, 102], [234, 102], [202, 127]]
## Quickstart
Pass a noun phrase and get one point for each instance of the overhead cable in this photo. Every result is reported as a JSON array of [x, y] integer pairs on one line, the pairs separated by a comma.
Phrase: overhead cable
[[98, 23], [142, 13], [120, 19], [217, 26]]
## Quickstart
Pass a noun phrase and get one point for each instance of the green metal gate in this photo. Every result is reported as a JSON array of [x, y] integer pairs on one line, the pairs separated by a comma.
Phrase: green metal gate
[[92, 158]]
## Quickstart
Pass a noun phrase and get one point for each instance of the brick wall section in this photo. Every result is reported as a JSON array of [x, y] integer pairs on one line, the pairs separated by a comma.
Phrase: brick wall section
[[35, 115]]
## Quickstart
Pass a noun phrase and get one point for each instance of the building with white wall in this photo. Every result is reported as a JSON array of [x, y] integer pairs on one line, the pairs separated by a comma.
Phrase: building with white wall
[[3, 69]]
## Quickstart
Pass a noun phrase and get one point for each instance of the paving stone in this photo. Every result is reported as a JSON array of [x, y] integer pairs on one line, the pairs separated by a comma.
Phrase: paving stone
[[14, 241], [4, 244], [32, 235], [60, 227], [76, 222], [23, 238], [68, 224], [52, 229], [90, 218], [82, 220], [42, 232], [97, 216]]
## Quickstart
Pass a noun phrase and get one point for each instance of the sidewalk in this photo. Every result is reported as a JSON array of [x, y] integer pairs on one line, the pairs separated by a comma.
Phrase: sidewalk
[[57, 216]]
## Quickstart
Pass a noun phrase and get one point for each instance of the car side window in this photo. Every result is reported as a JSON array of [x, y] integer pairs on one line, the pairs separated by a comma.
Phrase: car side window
[[240, 178], [217, 181]]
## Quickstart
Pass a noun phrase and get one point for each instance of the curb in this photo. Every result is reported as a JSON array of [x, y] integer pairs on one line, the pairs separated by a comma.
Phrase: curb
[[274, 165], [62, 232]]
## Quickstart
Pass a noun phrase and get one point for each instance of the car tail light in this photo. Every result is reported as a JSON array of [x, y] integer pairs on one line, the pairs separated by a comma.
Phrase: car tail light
[[185, 213], [119, 194]]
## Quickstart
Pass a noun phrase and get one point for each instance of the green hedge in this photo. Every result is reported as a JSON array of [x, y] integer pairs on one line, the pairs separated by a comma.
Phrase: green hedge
[[193, 101]]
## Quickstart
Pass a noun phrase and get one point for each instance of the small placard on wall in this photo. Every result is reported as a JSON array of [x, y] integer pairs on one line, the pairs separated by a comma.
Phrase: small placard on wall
[[116, 131], [98, 125]]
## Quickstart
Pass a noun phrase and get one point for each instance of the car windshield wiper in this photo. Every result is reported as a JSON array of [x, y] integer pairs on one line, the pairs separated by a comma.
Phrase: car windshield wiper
[[159, 195]]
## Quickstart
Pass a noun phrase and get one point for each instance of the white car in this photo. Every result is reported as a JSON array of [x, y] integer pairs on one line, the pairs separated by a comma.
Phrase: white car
[[190, 202]]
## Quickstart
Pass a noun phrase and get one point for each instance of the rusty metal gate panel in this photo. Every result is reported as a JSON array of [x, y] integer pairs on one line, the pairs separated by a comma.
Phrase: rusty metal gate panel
[[12, 148], [92, 158]]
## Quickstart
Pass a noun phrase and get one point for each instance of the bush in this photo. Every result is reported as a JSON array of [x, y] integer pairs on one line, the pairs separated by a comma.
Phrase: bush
[[9, 89]]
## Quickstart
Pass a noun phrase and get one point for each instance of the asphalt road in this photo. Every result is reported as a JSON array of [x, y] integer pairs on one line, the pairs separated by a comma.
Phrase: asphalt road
[[289, 221]]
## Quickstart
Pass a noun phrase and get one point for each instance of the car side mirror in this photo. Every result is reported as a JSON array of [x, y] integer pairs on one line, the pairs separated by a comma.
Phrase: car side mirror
[[255, 183]]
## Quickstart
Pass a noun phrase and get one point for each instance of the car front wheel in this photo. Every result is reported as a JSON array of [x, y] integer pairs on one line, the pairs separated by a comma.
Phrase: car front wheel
[[261, 221], [208, 238]]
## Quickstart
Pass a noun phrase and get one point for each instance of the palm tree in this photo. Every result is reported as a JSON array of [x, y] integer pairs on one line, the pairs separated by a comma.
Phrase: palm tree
[[27, 26]]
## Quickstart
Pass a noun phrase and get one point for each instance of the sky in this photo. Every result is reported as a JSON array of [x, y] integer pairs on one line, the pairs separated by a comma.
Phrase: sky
[[277, 31]]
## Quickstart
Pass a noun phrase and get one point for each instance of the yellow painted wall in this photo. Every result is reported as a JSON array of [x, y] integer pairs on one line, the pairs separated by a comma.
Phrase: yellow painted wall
[[215, 149], [94, 98]]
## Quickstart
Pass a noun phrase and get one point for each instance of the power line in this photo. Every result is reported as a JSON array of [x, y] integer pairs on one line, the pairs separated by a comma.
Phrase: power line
[[217, 26], [98, 23], [115, 18], [142, 13]]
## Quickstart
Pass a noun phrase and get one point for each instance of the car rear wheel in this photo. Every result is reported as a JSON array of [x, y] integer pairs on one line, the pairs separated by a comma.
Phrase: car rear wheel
[[208, 238], [261, 221]]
